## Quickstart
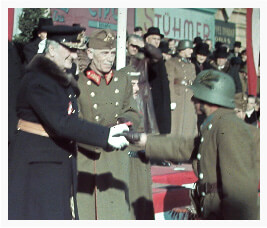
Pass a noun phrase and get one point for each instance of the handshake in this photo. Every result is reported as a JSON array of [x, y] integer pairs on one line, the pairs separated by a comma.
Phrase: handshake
[[120, 137]]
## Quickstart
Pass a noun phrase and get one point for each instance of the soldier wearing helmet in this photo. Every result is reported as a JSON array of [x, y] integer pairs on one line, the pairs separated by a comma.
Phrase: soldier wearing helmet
[[225, 158]]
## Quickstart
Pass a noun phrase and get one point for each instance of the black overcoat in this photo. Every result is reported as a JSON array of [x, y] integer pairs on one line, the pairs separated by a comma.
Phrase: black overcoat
[[160, 89], [42, 170]]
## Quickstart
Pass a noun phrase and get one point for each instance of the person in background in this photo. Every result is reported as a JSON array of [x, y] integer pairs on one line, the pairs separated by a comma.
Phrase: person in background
[[106, 99], [181, 73], [42, 173], [197, 40], [200, 60], [138, 31], [243, 75], [235, 52], [37, 44], [159, 83], [252, 113], [133, 44], [240, 109], [221, 63]]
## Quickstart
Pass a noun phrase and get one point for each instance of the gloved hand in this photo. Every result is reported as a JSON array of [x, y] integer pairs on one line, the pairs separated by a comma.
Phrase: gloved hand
[[118, 142]]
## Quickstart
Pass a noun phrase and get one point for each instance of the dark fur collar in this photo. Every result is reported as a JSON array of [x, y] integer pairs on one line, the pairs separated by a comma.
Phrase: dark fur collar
[[46, 66]]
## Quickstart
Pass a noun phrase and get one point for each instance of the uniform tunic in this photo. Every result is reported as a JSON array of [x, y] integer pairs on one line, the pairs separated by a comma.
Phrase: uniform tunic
[[183, 116], [227, 156], [42, 170], [103, 178]]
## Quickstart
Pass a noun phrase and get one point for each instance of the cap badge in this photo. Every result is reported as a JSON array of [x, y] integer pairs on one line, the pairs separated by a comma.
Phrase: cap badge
[[109, 37]]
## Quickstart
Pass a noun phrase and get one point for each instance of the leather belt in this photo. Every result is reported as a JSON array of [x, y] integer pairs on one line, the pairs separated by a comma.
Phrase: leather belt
[[182, 82], [206, 188], [31, 127]]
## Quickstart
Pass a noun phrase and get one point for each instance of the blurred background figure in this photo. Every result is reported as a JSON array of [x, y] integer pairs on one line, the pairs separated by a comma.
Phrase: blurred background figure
[[38, 42], [253, 111], [133, 45], [200, 60], [221, 63], [138, 31]]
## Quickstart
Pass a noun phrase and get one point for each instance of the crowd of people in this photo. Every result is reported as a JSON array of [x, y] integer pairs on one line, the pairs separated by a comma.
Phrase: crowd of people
[[83, 136]]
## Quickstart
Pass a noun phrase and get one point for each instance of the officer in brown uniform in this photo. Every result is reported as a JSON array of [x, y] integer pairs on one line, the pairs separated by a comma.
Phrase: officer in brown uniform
[[181, 72], [106, 99], [226, 157]]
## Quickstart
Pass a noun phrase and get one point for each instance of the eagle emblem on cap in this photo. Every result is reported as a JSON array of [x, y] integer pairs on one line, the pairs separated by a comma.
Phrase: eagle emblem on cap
[[109, 37]]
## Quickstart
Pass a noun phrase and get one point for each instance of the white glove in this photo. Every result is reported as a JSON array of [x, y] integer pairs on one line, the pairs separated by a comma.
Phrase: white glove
[[118, 142]]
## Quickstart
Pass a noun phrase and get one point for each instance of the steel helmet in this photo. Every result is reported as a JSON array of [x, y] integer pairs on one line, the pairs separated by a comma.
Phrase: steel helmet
[[183, 44], [214, 87]]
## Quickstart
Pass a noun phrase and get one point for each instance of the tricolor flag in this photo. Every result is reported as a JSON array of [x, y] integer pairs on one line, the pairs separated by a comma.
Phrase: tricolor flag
[[253, 48]]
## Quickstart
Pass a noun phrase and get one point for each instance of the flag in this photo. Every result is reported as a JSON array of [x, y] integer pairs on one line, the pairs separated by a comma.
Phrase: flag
[[253, 48]]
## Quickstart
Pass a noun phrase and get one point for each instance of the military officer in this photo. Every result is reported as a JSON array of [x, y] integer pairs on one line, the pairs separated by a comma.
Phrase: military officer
[[106, 99], [181, 73], [226, 157], [42, 158]]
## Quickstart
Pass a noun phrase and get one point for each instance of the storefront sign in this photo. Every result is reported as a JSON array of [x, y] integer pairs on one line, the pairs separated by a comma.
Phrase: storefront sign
[[225, 32]]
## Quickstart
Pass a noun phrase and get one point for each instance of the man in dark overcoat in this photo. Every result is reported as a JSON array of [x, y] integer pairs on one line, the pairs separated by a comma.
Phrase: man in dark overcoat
[[221, 63], [106, 99], [226, 158], [158, 80], [42, 174]]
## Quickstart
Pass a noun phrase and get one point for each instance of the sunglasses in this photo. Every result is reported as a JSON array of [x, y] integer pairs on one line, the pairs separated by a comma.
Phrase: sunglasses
[[135, 46]]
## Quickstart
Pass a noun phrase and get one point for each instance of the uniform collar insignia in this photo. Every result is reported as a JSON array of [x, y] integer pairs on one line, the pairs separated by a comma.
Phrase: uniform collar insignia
[[97, 78], [108, 77]]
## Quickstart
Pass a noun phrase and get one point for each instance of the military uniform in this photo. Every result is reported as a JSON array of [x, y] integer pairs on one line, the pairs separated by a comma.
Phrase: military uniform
[[227, 148], [181, 73], [140, 190], [103, 178]]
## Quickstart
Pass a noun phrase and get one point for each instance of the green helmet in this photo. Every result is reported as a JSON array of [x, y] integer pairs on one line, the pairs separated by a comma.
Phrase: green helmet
[[183, 44], [214, 87]]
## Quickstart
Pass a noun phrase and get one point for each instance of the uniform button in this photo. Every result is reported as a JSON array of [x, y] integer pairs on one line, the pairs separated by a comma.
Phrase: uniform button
[[210, 126], [74, 95], [116, 115], [89, 82], [116, 79], [97, 118], [95, 106], [117, 103], [70, 156], [198, 156], [117, 91], [201, 176], [92, 94], [73, 111], [202, 209], [203, 193], [70, 96], [79, 110], [202, 139], [186, 90]]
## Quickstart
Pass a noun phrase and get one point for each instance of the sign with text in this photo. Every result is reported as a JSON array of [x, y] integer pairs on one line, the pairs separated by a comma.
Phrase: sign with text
[[225, 32], [91, 18], [178, 23]]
